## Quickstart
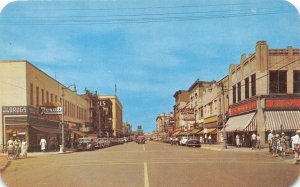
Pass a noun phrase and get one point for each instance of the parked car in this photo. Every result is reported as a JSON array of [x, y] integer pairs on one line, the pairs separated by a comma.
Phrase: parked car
[[86, 144], [183, 140], [193, 143], [100, 143]]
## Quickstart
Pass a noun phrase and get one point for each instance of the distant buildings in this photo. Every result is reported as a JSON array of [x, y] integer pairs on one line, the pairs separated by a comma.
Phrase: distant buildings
[[260, 94], [31, 103]]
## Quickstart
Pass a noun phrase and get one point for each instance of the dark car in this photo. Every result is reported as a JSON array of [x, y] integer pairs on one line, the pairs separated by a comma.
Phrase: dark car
[[193, 143], [86, 144]]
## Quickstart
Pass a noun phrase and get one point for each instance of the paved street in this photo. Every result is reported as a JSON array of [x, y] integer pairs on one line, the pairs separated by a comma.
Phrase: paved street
[[153, 164]]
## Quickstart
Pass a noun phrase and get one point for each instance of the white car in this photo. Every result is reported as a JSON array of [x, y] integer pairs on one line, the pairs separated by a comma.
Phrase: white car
[[183, 140]]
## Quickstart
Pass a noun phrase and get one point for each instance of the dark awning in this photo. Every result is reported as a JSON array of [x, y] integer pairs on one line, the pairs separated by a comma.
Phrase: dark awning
[[48, 130], [79, 133]]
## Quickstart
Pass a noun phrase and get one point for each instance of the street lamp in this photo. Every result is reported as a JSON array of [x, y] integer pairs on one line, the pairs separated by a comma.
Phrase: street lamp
[[62, 148]]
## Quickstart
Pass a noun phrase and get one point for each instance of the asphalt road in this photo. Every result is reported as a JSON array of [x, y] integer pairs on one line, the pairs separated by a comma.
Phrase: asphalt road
[[154, 164]]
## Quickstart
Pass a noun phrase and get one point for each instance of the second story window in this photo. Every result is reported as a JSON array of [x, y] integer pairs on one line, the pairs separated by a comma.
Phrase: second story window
[[31, 94], [253, 85], [278, 82], [239, 89], [246, 88], [297, 81], [234, 94]]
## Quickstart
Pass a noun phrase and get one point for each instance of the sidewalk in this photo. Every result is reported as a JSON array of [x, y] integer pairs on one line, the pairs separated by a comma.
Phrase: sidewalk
[[4, 162], [220, 147]]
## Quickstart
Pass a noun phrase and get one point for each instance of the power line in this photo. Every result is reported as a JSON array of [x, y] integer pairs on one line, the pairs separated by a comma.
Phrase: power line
[[144, 19]]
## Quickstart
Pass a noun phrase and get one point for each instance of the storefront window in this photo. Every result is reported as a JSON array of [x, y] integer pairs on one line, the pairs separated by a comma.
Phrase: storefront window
[[278, 82], [297, 81]]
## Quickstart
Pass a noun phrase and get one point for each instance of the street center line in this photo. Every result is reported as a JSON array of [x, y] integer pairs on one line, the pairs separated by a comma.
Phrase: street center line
[[144, 148], [146, 179]]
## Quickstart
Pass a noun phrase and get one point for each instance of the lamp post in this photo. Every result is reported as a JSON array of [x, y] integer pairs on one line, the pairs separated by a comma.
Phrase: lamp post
[[62, 147]]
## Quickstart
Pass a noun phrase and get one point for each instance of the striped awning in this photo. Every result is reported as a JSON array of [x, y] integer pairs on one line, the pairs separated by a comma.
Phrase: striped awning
[[194, 131], [245, 122], [208, 131], [287, 120]]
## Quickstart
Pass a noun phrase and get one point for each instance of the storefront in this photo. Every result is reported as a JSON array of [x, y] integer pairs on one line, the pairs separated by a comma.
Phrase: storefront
[[282, 115], [242, 122], [25, 123]]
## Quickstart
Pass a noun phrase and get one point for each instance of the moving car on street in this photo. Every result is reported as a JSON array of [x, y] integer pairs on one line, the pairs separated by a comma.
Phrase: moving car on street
[[193, 143], [183, 140]]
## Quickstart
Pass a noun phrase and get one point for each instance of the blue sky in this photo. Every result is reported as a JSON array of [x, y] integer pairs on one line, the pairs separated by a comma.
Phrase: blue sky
[[149, 49]]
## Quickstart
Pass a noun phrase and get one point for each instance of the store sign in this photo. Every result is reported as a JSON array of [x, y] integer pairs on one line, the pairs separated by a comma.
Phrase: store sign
[[282, 103], [243, 108], [14, 110], [51, 110]]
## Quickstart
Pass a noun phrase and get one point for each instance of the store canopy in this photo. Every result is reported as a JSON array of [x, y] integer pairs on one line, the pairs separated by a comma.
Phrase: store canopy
[[282, 120], [194, 131], [245, 122], [48, 130], [208, 131], [80, 133]]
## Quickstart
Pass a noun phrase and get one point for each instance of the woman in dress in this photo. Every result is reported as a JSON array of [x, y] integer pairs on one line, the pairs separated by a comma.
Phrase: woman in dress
[[24, 148]]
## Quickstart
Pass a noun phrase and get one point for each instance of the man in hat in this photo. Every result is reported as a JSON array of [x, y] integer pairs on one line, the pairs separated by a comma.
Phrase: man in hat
[[296, 143]]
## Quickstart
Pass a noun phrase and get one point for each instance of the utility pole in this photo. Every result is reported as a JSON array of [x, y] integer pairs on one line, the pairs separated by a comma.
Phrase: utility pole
[[223, 117]]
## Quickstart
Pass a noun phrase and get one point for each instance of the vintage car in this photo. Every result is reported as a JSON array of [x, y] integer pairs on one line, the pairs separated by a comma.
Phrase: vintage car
[[140, 139], [86, 144], [193, 143]]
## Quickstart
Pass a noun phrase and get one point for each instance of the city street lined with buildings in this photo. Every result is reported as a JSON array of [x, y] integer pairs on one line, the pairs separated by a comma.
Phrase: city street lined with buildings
[[152, 164]]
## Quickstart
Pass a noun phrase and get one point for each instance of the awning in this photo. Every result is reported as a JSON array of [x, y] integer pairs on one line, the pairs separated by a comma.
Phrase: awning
[[245, 122], [194, 131], [208, 131], [79, 133], [48, 130], [287, 120], [211, 125]]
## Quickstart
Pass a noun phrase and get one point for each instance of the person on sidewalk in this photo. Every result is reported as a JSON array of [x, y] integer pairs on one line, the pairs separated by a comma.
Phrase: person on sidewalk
[[258, 142], [209, 139], [201, 139], [253, 140], [296, 142], [282, 147], [270, 136], [24, 148], [275, 141], [237, 140], [43, 144]]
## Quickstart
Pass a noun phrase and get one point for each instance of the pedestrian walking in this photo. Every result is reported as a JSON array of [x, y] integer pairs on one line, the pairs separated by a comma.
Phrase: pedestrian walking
[[176, 141], [237, 140], [296, 142], [209, 139], [201, 139], [283, 146], [171, 140], [275, 141], [24, 148], [253, 140], [270, 136], [257, 141], [17, 144], [43, 144]]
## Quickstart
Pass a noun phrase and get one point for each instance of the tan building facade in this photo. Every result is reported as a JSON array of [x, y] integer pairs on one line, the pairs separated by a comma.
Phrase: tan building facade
[[24, 89], [117, 114], [264, 92]]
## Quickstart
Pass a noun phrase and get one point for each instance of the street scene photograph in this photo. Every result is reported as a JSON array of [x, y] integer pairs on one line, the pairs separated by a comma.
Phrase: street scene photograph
[[150, 93]]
